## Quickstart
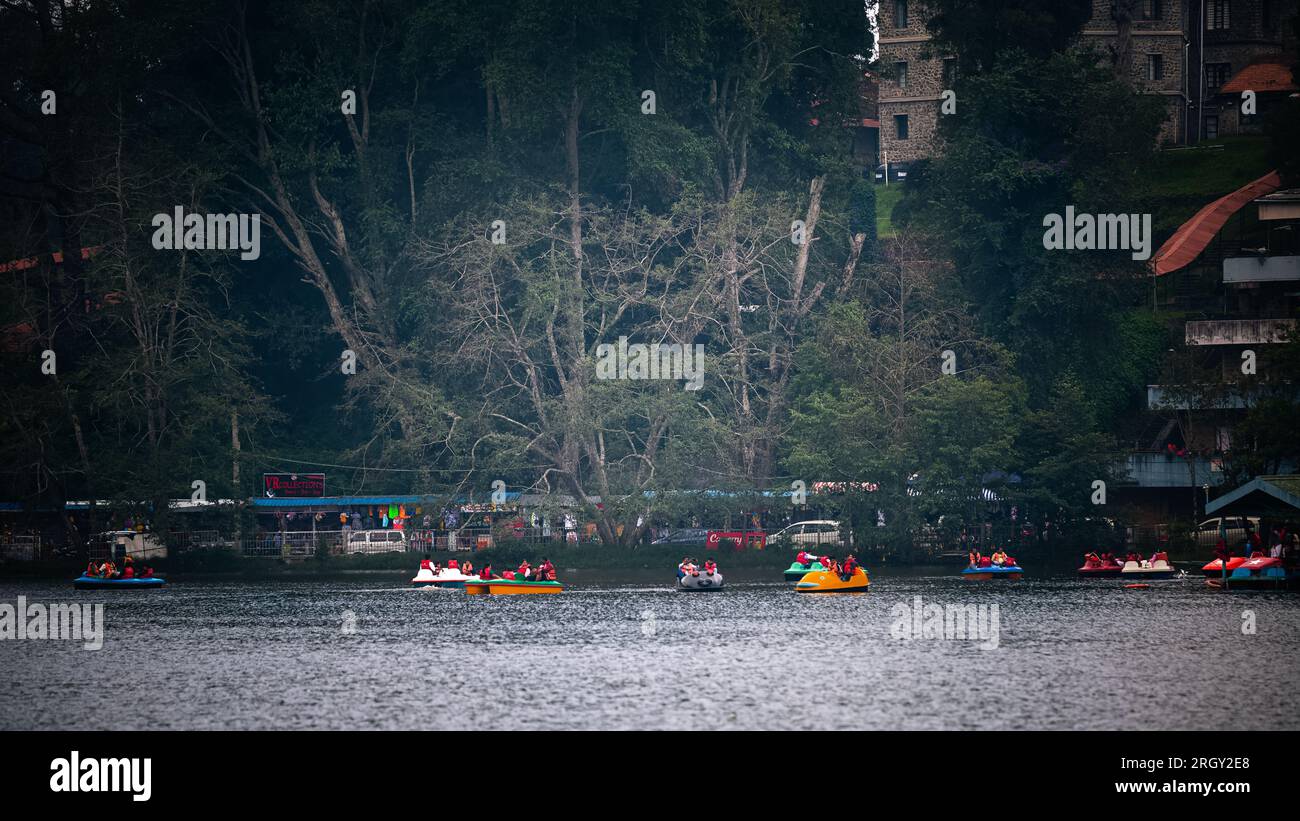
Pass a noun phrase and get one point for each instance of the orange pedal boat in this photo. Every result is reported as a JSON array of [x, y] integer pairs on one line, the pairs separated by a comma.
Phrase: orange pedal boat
[[824, 581]]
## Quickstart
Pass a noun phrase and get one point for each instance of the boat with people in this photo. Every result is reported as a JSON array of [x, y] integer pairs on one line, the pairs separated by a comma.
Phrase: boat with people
[[106, 576], [85, 582], [829, 581], [511, 587], [1157, 567], [692, 578], [451, 577], [993, 571], [803, 564], [1101, 566], [998, 565], [525, 581]]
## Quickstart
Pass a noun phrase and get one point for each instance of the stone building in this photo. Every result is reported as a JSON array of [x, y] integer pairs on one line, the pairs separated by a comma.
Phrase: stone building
[[1157, 55], [913, 78], [1243, 42], [1182, 51]]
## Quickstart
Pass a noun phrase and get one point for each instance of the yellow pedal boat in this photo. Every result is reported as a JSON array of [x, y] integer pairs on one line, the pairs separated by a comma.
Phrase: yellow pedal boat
[[824, 581], [510, 587]]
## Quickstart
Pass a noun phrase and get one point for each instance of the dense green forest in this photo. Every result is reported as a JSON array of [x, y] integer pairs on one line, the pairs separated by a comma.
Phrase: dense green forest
[[465, 198]]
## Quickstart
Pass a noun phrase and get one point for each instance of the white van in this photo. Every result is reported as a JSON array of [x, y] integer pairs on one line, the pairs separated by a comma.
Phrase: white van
[[377, 541], [814, 532]]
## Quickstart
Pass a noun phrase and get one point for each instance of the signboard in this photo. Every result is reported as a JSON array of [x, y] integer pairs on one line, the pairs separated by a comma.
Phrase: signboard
[[736, 540], [293, 485]]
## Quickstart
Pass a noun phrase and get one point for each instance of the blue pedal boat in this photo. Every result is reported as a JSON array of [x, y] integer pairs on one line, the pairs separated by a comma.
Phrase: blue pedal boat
[[97, 583]]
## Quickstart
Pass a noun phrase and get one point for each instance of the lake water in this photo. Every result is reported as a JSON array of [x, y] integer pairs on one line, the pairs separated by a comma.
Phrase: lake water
[[627, 651]]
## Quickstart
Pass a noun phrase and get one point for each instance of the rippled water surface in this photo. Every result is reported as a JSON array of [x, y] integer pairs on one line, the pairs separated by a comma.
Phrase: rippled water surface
[[364, 651]]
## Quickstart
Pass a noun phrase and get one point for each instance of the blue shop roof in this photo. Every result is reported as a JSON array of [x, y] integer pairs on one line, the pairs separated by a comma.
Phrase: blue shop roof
[[362, 501]]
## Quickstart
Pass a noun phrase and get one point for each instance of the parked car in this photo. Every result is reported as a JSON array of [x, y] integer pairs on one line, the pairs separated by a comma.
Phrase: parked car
[[814, 532], [684, 535], [377, 541], [1207, 532], [897, 172]]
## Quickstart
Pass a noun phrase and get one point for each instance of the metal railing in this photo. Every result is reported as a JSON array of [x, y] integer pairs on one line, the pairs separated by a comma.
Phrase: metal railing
[[21, 548]]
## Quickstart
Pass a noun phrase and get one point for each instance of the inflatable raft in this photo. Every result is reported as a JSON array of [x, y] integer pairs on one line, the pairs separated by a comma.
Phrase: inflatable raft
[[824, 581], [699, 581], [97, 583], [511, 587], [1159, 569], [444, 578], [796, 571], [993, 571]]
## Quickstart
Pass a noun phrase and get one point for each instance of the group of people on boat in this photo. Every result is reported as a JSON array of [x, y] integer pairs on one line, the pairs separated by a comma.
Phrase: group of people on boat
[[453, 567], [544, 572], [1095, 560], [688, 567], [998, 558], [844, 569], [108, 569]]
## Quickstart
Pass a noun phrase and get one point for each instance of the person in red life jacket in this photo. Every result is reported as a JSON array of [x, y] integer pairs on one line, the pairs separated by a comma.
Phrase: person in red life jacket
[[486, 572], [804, 558], [467, 568], [91, 569], [986, 561], [524, 570], [1159, 556], [972, 557], [850, 567], [508, 575], [1133, 557], [148, 572], [453, 565], [128, 572], [546, 571], [825, 562], [710, 566]]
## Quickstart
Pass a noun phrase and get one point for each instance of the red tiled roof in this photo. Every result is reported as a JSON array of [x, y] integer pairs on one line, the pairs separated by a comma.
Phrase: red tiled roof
[[1272, 73], [1192, 236]]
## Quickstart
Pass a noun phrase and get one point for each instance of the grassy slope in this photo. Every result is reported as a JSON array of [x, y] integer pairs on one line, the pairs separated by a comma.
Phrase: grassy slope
[[1181, 182], [887, 196]]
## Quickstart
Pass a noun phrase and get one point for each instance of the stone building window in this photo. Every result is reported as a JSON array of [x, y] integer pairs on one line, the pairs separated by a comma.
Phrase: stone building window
[[1216, 74], [900, 13], [949, 71], [900, 73], [900, 126], [1216, 15], [1155, 67], [1150, 10], [1212, 127]]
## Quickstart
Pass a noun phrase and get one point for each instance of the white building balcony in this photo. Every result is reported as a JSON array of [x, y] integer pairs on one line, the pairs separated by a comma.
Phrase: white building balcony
[[1238, 331], [1261, 269]]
